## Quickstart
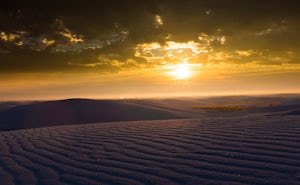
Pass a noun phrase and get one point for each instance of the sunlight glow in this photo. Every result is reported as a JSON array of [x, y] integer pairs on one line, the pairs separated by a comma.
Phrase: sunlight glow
[[182, 71]]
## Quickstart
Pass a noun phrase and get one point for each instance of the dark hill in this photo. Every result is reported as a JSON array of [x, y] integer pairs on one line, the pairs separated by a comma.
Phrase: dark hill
[[76, 111]]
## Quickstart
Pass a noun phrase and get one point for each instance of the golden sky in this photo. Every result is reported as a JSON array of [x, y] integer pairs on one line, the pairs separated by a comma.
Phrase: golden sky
[[135, 49]]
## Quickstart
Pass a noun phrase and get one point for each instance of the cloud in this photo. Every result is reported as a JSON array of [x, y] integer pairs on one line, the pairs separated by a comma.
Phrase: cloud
[[53, 33], [61, 39], [176, 52], [23, 40], [73, 46], [158, 21], [251, 56], [171, 51], [47, 42], [209, 39], [16, 39], [108, 62], [247, 53], [264, 32], [66, 33], [78, 47], [19, 43], [72, 37], [10, 37], [220, 56], [4, 36], [274, 27]]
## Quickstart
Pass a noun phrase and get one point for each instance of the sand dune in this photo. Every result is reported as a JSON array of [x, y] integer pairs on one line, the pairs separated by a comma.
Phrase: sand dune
[[77, 111], [257, 146], [258, 104], [256, 150], [16, 115]]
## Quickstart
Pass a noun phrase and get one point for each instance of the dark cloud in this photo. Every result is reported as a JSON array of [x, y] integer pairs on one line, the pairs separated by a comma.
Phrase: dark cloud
[[54, 35]]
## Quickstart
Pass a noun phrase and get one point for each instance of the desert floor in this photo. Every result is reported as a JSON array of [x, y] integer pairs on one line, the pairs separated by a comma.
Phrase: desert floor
[[259, 146]]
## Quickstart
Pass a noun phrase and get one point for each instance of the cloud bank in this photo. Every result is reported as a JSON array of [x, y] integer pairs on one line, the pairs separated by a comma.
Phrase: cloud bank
[[58, 36]]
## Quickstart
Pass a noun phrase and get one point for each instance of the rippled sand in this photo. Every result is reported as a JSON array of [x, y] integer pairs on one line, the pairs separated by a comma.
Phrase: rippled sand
[[241, 150]]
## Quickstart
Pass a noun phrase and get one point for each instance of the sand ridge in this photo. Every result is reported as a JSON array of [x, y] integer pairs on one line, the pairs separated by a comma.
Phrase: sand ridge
[[77, 111]]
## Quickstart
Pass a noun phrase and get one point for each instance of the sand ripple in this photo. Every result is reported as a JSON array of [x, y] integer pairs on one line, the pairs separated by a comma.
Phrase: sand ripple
[[258, 150]]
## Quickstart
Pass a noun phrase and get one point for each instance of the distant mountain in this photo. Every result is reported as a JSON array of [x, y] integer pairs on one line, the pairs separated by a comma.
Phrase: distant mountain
[[76, 111]]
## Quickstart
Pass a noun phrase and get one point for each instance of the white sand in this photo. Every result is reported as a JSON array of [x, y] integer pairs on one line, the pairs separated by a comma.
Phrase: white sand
[[256, 150]]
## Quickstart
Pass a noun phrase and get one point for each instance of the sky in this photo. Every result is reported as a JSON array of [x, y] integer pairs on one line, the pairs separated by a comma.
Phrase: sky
[[148, 48]]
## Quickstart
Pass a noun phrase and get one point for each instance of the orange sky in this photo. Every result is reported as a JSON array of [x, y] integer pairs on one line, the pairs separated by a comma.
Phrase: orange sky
[[137, 49]]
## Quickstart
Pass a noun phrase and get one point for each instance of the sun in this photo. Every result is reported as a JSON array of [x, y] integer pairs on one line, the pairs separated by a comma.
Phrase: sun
[[181, 71]]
